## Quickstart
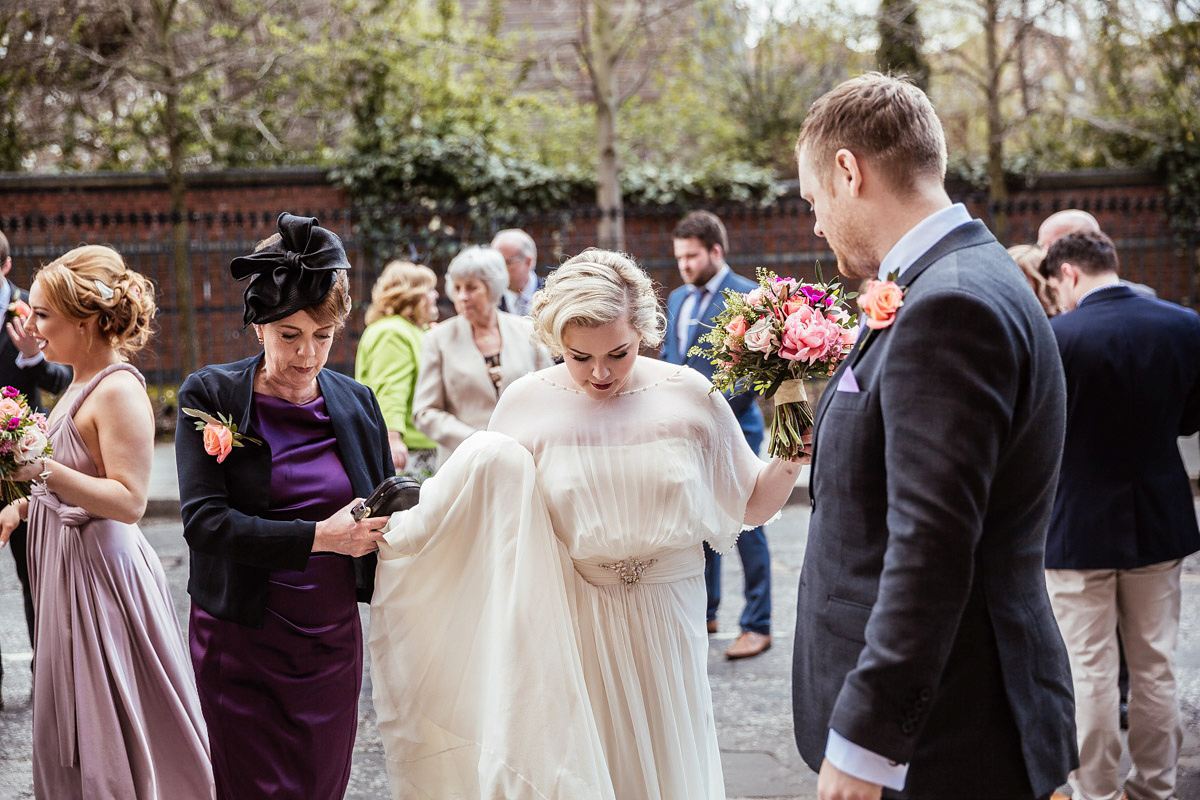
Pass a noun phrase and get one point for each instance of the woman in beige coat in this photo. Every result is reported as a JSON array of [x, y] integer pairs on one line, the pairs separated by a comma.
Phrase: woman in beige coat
[[469, 360]]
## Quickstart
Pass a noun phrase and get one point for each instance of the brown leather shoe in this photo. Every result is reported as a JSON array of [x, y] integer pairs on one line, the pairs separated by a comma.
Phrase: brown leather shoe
[[712, 626], [749, 644]]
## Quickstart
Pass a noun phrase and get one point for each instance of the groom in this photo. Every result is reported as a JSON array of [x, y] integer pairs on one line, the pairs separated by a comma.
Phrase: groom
[[927, 659]]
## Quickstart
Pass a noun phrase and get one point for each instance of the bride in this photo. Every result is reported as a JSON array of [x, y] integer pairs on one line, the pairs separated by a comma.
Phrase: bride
[[538, 623]]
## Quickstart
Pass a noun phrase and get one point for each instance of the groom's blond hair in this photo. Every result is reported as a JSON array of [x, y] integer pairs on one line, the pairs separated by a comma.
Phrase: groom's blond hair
[[886, 120]]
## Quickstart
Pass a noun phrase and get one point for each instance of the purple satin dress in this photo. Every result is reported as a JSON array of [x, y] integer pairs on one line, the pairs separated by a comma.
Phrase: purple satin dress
[[282, 702]]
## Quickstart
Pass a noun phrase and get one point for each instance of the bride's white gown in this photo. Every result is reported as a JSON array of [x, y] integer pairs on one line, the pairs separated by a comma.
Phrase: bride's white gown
[[545, 636]]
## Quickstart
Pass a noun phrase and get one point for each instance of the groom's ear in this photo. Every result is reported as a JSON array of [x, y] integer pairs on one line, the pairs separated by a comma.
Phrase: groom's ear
[[847, 173]]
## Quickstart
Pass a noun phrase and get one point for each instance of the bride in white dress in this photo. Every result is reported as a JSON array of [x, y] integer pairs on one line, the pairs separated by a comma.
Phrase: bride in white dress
[[537, 629]]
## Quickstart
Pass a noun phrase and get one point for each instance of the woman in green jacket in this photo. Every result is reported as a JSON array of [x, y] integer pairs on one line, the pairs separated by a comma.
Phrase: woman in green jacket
[[403, 304]]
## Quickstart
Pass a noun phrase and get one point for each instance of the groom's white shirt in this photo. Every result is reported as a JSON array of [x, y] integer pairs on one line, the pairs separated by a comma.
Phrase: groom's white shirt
[[841, 752]]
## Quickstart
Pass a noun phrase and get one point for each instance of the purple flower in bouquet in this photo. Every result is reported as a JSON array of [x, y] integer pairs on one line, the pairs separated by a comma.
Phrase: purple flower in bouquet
[[9, 391], [815, 296]]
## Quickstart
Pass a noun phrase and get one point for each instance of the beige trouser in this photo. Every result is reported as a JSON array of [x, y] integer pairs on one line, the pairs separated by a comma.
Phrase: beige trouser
[[1090, 605]]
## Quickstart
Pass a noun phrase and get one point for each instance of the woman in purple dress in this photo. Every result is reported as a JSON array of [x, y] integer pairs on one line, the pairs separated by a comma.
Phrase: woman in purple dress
[[272, 452], [115, 711]]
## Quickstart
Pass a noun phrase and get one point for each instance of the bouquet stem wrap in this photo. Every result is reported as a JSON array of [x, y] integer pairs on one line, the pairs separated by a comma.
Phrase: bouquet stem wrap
[[793, 418]]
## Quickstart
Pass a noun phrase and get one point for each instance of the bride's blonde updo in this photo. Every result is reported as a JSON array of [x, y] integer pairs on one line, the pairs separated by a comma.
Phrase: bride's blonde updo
[[92, 282], [592, 289]]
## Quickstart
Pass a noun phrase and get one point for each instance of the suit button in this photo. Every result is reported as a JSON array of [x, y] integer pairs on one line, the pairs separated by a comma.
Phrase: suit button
[[924, 694], [908, 728]]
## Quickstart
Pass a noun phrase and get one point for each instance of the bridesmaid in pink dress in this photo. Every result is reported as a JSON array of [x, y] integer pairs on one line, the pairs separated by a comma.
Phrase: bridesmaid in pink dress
[[115, 710]]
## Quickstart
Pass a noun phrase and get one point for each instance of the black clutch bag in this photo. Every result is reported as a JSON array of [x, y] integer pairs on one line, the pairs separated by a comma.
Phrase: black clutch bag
[[396, 493]]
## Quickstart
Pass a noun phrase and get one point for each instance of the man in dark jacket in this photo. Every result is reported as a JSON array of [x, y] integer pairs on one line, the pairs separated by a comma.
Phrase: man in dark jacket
[[927, 657], [1123, 516]]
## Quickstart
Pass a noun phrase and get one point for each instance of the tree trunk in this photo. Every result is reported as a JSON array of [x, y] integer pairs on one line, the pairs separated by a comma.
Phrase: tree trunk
[[189, 340], [997, 188], [610, 233]]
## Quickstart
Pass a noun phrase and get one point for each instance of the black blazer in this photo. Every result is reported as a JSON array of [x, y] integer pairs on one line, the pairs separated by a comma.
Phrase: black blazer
[[29, 381], [924, 631], [1133, 387], [233, 547]]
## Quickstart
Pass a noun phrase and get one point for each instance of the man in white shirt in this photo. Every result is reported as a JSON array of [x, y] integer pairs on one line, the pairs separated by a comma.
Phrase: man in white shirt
[[520, 258]]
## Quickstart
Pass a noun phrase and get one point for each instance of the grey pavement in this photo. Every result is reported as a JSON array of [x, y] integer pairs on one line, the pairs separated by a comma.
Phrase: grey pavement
[[751, 698]]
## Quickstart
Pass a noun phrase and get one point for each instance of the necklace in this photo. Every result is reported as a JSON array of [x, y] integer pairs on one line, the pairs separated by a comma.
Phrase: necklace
[[623, 393]]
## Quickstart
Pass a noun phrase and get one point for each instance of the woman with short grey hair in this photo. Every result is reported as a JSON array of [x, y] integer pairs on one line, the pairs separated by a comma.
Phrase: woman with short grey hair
[[467, 361], [484, 264]]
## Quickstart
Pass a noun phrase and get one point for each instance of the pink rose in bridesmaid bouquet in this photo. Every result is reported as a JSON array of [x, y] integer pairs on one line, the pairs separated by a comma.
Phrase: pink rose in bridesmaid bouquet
[[10, 408], [218, 441], [880, 301], [32, 444]]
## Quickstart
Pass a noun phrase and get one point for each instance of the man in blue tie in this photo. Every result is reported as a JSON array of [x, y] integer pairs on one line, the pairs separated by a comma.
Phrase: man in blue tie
[[700, 245]]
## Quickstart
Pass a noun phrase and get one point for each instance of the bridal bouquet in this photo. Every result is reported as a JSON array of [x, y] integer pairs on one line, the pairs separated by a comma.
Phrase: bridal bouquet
[[23, 439], [774, 337]]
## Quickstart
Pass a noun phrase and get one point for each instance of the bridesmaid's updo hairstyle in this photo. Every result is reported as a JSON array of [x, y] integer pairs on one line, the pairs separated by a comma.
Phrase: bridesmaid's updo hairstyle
[[592, 289], [92, 282]]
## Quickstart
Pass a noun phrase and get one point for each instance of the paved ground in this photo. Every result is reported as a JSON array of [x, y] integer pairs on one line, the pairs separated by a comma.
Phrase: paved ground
[[752, 698]]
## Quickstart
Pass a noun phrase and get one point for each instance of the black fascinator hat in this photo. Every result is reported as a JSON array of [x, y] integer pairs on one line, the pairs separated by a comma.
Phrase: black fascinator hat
[[293, 273]]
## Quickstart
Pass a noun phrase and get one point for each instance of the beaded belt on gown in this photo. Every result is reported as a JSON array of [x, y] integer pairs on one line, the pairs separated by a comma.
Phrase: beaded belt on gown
[[661, 566]]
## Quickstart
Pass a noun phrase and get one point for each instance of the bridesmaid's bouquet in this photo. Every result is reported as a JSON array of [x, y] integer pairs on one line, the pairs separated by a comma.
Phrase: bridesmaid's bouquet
[[774, 338], [23, 439]]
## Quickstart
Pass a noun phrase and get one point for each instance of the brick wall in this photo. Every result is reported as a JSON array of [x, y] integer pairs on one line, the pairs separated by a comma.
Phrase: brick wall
[[229, 211]]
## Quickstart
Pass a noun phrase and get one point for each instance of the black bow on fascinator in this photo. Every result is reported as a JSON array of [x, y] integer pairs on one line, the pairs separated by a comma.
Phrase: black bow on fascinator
[[292, 274]]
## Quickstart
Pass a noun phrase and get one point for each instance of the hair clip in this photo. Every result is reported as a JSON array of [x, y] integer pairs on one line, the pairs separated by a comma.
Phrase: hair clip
[[105, 292]]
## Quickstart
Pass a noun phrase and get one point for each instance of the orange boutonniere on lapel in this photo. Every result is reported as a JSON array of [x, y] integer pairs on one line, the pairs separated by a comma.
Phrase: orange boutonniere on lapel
[[879, 302], [220, 433]]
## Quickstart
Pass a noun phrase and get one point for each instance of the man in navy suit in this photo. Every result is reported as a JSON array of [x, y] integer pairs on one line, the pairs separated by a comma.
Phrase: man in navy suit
[[23, 367], [1123, 516], [700, 246], [520, 259], [927, 661]]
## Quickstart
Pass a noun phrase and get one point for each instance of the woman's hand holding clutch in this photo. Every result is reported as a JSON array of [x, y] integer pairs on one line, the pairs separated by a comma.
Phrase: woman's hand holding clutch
[[341, 533]]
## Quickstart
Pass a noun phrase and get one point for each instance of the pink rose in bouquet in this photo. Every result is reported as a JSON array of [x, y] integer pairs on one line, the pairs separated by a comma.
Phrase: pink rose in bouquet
[[737, 327], [23, 439], [761, 338], [773, 337]]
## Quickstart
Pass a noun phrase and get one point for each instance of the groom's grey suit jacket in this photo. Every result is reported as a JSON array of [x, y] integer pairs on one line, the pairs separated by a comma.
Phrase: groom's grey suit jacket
[[924, 632]]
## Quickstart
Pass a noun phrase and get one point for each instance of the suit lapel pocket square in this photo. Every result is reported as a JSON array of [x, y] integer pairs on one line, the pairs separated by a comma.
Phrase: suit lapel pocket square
[[847, 383]]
